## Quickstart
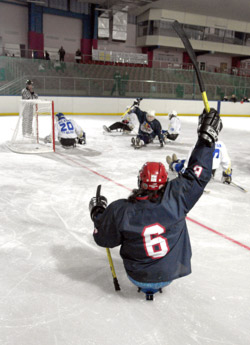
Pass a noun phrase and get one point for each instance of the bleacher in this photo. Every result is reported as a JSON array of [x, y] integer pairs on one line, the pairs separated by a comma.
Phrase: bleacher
[[72, 79]]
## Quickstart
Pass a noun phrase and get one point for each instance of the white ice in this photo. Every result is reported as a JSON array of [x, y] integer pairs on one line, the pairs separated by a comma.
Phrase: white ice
[[56, 285]]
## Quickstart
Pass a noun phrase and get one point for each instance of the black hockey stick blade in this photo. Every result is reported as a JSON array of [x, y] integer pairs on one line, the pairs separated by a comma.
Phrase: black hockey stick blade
[[116, 284], [98, 191], [181, 33]]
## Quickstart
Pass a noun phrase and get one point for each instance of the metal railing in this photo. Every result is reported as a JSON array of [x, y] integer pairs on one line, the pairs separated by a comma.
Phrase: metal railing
[[95, 87]]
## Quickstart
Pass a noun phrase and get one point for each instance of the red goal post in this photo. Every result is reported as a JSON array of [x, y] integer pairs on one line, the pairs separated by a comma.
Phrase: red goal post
[[35, 123]]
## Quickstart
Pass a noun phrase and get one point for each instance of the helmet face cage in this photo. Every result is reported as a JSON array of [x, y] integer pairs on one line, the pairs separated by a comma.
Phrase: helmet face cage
[[152, 176]]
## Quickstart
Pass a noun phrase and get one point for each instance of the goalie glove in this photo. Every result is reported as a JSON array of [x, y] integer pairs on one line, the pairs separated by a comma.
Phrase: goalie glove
[[227, 178], [209, 126], [97, 204]]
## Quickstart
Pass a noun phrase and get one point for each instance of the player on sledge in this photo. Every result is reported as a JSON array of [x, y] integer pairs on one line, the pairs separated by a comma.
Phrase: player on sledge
[[174, 127], [127, 124], [149, 127], [68, 132], [220, 158], [150, 225]]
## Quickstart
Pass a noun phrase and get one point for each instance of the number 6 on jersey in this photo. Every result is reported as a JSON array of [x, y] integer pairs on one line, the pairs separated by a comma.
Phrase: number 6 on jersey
[[156, 246]]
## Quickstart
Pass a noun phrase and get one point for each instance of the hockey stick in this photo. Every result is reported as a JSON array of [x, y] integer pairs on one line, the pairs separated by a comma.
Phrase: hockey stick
[[181, 33], [115, 280], [237, 186], [140, 99]]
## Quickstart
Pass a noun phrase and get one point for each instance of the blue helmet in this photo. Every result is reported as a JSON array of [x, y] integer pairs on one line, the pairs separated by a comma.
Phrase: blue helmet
[[60, 116]]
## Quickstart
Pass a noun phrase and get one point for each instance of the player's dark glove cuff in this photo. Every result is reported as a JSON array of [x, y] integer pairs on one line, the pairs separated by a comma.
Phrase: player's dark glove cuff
[[227, 178], [97, 205], [209, 127]]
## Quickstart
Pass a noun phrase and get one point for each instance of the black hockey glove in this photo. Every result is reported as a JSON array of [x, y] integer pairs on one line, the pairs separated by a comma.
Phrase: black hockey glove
[[226, 178], [209, 126], [97, 204], [81, 141], [137, 102]]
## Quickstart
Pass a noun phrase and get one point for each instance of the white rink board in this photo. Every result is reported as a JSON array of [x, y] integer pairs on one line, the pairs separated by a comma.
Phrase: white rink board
[[116, 106]]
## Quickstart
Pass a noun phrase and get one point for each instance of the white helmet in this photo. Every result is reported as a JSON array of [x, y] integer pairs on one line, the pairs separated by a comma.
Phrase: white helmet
[[172, 114], [150, 115]]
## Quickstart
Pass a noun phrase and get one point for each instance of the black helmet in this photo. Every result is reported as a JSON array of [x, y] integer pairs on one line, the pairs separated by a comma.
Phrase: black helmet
[[29, 82]]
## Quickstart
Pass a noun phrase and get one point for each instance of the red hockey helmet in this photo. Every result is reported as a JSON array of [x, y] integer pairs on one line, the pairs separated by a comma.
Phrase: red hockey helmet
[[152, 176]]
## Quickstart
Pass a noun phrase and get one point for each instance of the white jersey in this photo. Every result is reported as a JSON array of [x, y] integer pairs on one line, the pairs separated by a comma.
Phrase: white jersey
[[132, 120], [67, 129], [220, 157], [174, 125]]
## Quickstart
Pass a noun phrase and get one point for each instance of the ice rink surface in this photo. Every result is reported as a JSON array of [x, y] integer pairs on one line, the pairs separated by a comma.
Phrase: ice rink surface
[[56, 285]]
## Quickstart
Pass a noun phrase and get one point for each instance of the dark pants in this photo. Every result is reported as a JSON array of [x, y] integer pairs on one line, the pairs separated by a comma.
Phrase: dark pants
[[147, 138], [120, 125], [68, 142]]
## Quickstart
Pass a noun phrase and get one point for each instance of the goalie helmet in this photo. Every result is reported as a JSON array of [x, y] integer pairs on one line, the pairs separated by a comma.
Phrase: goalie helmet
[[150, 115], [152, 176], [172, 114], [60, 116]]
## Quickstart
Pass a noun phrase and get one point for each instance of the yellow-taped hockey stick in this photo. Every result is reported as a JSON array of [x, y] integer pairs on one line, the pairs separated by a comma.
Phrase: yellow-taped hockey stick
[[112, 267], [115, 280], [130, 108]]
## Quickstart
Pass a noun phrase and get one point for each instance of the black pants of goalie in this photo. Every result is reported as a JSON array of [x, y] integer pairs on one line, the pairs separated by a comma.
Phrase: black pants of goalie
[[68, 142], [120, 125]]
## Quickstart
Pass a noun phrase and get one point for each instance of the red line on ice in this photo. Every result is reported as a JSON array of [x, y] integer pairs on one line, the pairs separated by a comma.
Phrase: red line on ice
[[190, 219]]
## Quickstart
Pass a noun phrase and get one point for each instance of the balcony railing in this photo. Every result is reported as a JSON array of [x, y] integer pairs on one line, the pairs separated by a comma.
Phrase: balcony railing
[[95, 87]]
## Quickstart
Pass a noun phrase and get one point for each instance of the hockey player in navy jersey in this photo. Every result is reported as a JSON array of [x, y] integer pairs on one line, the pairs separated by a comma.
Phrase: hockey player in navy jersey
[[150, 225], [220, 158], [149, 127]]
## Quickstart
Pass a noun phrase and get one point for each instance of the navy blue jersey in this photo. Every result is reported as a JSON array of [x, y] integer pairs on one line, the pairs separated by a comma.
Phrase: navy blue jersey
[[151, 128], [155, 245]]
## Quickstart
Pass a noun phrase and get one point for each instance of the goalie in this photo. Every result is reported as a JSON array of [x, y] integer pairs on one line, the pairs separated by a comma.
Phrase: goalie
[[68, 132]]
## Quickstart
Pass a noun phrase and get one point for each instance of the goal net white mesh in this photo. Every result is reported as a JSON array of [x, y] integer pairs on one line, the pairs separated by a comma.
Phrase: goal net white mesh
[[35, 122]]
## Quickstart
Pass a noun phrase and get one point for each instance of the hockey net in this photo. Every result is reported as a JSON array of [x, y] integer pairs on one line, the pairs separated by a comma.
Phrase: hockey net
[[35, 122]]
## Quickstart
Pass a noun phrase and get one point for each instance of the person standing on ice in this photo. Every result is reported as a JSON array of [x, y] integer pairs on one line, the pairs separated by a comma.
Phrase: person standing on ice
[[150, 225], [149, 127], [28, 93]]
